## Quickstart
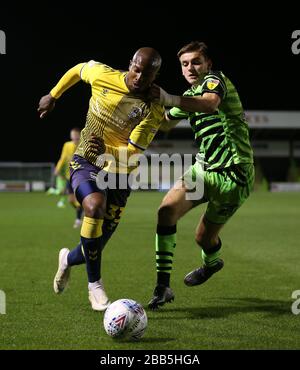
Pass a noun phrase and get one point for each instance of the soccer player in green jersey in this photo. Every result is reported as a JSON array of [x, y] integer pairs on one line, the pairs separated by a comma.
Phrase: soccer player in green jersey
[[224, 165]]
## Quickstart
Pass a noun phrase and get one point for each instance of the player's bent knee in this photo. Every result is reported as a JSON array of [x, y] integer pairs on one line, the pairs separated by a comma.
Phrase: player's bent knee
[[94, 210], [94, 207]]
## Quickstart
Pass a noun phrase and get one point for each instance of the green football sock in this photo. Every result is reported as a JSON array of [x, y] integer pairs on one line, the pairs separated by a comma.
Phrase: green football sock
[[210, 259], [165, 244], [211, 256]]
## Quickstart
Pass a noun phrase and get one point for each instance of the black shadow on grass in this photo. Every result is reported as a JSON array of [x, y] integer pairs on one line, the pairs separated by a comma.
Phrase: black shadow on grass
[[146, 340], [221, 309], [157, 340]]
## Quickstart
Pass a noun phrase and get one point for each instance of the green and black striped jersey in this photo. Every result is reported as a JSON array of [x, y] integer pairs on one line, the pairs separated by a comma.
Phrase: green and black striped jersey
[[222, 136]]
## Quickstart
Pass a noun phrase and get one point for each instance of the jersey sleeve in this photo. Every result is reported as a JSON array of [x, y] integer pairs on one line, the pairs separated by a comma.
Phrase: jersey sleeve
[[70, 78], [214, 83], [91, 71], [142, 135], [176, 113]]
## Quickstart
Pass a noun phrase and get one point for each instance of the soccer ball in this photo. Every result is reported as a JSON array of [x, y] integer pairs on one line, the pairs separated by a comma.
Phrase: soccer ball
[[125, 318]]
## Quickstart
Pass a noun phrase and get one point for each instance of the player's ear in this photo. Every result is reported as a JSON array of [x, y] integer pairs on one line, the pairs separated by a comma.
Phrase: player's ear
[[209, 64], [130, 64]]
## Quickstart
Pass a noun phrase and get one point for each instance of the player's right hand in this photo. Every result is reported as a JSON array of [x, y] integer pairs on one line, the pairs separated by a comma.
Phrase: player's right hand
[[46, 105], [96, 145]]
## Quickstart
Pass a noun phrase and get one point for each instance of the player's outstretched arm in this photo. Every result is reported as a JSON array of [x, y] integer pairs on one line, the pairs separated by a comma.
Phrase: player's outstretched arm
[[207, 103], [70, 78]]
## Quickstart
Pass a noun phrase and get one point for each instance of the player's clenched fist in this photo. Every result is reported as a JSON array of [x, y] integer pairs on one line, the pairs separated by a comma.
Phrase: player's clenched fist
[[46, 105]]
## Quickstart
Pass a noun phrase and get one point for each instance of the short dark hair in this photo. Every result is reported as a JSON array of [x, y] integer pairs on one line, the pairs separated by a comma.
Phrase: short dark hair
[[195, 46], [77, 129]]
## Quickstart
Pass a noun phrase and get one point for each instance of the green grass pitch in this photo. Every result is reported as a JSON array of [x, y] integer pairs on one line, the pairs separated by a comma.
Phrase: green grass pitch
[[247, 305]]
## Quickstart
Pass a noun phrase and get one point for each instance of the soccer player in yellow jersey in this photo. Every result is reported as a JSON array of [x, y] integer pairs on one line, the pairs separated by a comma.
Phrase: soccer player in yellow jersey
[[62, 172], [121, 117]]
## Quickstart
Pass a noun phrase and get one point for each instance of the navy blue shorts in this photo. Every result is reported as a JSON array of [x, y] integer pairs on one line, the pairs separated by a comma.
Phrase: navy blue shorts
[[83, 181]]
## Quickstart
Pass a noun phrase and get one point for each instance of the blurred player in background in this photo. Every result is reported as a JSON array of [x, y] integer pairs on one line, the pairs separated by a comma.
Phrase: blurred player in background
[[62, 173], [224, 165], [121, 118]]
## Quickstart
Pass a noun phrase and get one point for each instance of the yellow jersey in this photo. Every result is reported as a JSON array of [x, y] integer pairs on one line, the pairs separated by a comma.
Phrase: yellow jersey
[[62, 166], [114, 114]]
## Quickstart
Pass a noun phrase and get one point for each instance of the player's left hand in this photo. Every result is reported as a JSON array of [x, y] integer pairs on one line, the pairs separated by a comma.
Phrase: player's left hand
[[97, 145]]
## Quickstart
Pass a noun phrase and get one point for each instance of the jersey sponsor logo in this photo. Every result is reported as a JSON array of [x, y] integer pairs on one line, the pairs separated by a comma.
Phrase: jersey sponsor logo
[[212, 83]]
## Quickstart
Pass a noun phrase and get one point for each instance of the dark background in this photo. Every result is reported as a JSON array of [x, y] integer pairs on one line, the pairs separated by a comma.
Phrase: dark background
[[251, 45]]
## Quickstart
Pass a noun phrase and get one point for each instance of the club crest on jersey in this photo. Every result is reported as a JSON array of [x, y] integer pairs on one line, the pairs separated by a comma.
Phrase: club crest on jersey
[[212, 83], [136, 112]]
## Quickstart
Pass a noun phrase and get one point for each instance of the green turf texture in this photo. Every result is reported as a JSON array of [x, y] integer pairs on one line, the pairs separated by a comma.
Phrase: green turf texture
[[247, 305]]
